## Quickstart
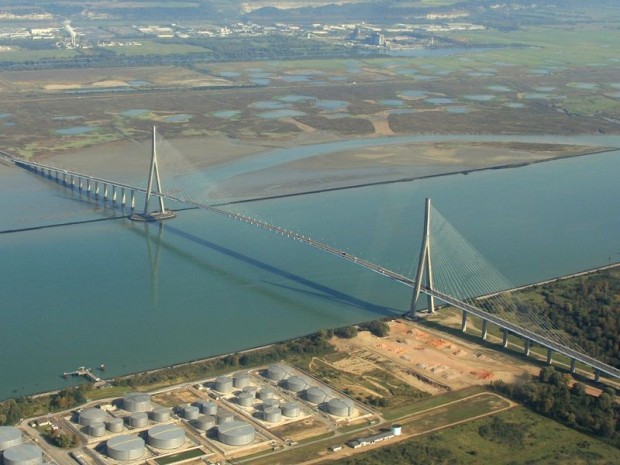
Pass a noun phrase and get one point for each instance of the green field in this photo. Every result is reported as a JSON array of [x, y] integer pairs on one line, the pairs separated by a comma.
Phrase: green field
[[516, 436]]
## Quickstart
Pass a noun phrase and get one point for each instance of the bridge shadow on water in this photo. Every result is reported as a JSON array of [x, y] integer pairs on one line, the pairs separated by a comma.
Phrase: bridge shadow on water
[[318, 290]]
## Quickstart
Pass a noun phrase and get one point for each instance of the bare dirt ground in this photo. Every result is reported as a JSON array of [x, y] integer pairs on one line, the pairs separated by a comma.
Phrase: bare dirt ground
[[439, 361]]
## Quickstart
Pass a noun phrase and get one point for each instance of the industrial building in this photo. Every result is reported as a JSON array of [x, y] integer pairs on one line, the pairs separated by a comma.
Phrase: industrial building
[[368, 440]]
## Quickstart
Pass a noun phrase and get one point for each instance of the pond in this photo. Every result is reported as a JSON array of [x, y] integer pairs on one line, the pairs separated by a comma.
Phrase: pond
[[283, 113], [75, 130]]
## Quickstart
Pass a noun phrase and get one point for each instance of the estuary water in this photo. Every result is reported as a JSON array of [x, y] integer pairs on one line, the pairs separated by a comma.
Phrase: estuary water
[[139, 296]]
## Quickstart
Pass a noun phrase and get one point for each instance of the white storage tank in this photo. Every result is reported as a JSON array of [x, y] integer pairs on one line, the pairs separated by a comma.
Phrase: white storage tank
[[160, 414], [23, 454], [138, 420], [296, 384], [90, 416], [291, 409], [341, 407], [397, 430], [209, 408], [137, 402], [115, 425], [96, 430], [272, 414], [271, 403], [276, 373], [191, 412], [266, 393], [125, 447], [224, 384], [236, 433], [225, 417], [166, 436], [245, 399], [251, 390], [10, 437], [204, 422], [241, 380], [317, 395]]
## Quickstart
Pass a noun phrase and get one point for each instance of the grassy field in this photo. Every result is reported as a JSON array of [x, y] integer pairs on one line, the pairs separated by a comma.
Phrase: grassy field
[[533, 440]]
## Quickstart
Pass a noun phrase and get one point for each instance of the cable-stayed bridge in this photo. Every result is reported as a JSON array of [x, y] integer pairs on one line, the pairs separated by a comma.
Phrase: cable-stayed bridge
[[464, 274]]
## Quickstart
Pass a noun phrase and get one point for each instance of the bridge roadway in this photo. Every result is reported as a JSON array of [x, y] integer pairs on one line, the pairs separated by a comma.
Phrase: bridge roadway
[[504, 324]]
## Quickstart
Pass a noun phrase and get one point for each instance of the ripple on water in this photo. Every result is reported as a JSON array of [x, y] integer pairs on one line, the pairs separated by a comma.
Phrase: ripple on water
[[500, 88], [283, 113], [584, 85], [75, 130]]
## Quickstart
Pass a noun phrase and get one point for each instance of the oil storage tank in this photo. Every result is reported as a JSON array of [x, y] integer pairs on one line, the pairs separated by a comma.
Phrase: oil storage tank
[[224, 384], [191, 412], [23, 454], [115, 425], [10, 437], [137, 402], [90, 416], [251, 390], [296, 384], [138, 420], [271, 403], [241, 380], [160, 414], [204, 422], [291, 409], [341, 407], [125, 447], [272, 414], [96, 430], [224, 417], [236, 433], [276, 373], [208, 408], [245, 399], [166, 436], [317, 395], [266, 393]]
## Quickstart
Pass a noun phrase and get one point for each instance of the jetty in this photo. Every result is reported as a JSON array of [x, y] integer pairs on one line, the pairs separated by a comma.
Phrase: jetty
[[85, 372]]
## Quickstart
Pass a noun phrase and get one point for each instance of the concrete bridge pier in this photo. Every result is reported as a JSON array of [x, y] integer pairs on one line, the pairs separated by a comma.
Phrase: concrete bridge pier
[[485, 330], [123, 198], [105, 191], [597, 376], [64, 178], [549, 356], [573, 365], [88, 186], [113, 194], [526, 347], [132, 200], [505, 338], [464, 321], [72, 179], [96, 189]]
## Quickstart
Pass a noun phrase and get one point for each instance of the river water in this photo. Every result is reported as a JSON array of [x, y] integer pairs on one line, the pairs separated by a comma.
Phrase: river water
[[138, 296]]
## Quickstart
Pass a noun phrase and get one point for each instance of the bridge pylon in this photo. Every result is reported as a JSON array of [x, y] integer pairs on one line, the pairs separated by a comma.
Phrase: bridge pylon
[[425, 267], [154, 178]]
